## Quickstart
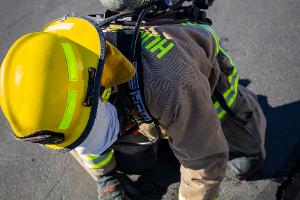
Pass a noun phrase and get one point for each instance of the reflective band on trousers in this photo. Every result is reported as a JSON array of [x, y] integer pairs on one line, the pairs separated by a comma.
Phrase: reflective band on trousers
[[231, 93], [97, 161]]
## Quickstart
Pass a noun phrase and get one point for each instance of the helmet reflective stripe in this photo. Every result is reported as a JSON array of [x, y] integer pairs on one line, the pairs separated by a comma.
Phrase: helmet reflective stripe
[[71, 61], [69, 111], [59, 81], [72, 94]]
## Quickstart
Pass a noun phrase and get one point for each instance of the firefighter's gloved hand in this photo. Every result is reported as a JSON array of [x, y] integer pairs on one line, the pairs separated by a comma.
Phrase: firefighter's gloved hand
[[149, 130], [115, 186]]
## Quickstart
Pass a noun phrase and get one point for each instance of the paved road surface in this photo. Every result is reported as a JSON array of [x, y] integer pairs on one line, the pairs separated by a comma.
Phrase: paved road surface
[[262, 36]]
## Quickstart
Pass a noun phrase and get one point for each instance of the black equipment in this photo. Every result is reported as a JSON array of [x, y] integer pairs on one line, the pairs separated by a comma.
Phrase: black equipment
[[154, 13], [203, 4]]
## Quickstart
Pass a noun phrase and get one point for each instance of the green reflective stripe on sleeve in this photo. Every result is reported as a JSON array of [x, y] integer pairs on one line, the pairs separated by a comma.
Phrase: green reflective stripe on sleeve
[[100, 163], [215, 36], [231, 93], [69, 110], [229, 96], [230, 89], [216, 198], [209, 30], [232, 75], [233, 80], [216, 105], [71, 61], [232, 100], [231, 63], [220, 111], [222, 114], [227, 56]]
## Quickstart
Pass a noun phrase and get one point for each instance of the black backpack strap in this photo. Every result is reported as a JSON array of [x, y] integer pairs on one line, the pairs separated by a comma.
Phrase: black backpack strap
[[136, 89], [122, 39]]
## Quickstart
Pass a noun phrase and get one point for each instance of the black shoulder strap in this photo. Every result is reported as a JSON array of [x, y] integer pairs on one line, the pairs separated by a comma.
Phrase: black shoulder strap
[[136, 89], [122, 40]]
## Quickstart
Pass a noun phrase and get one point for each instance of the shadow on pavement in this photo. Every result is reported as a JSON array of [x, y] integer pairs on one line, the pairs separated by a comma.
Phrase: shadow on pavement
[[156, 182], [282, 137]]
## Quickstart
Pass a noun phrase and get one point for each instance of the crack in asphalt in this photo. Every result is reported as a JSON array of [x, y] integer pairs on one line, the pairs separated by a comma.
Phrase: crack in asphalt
[[57, 182]]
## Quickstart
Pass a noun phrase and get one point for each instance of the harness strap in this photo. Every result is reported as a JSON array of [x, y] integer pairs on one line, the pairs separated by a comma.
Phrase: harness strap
[[122, 40]]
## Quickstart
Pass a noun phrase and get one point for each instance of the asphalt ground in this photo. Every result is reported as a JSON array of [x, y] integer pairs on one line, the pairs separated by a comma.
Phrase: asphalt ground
[[263, 38]]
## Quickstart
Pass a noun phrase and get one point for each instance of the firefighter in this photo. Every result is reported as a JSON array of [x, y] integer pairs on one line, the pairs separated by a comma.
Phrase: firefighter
[[71, 87]]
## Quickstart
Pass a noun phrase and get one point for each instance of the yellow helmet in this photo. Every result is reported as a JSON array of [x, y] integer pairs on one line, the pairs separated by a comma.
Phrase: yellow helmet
[[50, 81]]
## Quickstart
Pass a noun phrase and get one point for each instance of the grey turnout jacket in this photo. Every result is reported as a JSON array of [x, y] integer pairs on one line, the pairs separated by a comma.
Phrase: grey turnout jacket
[[182, 67]]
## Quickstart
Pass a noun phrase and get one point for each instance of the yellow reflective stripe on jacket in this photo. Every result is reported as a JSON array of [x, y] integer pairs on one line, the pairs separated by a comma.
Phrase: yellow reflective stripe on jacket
[[231, 93], [97, 161], [209, 30], [215, 36], [233, 79]]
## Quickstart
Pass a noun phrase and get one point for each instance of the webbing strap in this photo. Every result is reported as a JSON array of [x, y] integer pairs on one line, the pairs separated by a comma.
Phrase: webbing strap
[[135, 85]]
